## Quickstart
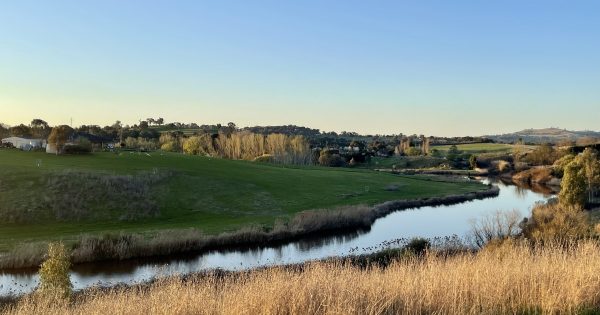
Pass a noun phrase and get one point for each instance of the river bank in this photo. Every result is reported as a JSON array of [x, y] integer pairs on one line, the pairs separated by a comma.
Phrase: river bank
[[303, 224], [428, 222]]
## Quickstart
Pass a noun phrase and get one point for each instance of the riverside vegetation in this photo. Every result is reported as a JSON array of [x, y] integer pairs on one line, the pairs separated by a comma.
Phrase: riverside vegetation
[[147, 196], [514, 278], [550, 266], [124, 246]]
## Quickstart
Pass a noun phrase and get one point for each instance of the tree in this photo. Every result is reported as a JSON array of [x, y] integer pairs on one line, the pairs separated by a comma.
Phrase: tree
[[21, 131], [143, 124], [150, 121], [573, 185], [59, 136], [40, 128], [54, 273], [160, 121], [3, 131], [580, 177], [591, 168], [453, 156], [38, 123]]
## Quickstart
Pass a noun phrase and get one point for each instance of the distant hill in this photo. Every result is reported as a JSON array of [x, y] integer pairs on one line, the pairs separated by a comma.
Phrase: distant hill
[[547, 135]]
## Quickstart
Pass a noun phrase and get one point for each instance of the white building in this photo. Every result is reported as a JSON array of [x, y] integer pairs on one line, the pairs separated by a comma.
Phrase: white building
[[24, 143]]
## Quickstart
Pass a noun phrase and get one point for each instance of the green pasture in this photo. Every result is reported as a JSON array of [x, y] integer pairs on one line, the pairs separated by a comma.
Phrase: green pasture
[[213, 195]]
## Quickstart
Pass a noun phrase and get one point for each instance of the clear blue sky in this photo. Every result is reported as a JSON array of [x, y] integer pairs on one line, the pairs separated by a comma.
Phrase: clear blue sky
[[432, 67]]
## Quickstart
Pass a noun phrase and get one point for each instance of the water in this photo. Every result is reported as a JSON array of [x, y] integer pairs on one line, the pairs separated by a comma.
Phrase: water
[[426, 222]]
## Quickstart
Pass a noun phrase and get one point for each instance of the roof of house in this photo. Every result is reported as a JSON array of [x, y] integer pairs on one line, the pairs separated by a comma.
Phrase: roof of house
[[93, 138]]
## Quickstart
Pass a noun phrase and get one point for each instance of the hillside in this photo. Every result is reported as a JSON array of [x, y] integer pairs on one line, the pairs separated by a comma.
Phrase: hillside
[[46, 196], [546, 135]]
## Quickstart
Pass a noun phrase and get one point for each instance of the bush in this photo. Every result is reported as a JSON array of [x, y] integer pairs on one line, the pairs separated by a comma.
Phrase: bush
[[412, 151], [170, 146], [192, 145], [495, 226], [550, 222], [473, 162], [54, 273], [543, 155], [81, 146], [418, 245], [328, 158]]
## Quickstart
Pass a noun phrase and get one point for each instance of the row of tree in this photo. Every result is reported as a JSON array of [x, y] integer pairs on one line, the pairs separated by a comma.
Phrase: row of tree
[[278, 148]]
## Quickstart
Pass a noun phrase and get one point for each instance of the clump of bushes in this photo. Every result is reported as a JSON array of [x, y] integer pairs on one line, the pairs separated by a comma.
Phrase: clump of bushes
[[554, 221], [332, 158], [141, 144], [80, 146], [543, 155]]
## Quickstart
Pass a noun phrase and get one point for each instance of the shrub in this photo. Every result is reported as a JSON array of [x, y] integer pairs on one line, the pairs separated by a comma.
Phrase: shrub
[[329, 158], [495, 226], [543, 155], [550, 222], [503, 166], [473, 162], [418, 245], [82, 145], [191, 145], [412, 151], [54, 273], [170, 146]]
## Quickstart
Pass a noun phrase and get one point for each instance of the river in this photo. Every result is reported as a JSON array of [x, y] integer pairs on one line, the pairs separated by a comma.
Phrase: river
[[428, 222]]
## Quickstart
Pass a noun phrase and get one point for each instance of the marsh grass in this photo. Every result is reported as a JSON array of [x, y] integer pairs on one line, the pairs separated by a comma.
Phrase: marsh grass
[[70, 195], [516, 278]]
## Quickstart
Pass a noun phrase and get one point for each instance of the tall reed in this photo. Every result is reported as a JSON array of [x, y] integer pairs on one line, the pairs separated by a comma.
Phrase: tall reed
[[511, 279]]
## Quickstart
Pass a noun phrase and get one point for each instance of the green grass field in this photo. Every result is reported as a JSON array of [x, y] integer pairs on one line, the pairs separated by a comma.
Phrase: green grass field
[[479, 148], [213, 195], [404, 162]]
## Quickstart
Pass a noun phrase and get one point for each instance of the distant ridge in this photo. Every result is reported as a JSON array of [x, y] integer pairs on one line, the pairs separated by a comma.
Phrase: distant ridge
[[546, 135]]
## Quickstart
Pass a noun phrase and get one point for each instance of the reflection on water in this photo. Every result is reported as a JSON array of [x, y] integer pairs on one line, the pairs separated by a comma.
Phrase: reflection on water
[[427, 222]]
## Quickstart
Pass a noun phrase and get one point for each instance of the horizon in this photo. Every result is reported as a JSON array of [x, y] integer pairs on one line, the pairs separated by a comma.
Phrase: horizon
[[322, 131], [459, 69]]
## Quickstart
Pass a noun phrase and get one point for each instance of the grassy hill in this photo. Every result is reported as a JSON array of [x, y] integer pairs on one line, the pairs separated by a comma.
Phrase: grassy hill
[[544, 135], [47, 197]]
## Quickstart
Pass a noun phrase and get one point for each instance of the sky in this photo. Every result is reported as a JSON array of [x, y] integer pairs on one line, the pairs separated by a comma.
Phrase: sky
[[381, 67]]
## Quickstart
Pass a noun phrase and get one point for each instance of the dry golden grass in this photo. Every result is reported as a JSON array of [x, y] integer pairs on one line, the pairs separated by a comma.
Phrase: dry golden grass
[[507, 279]]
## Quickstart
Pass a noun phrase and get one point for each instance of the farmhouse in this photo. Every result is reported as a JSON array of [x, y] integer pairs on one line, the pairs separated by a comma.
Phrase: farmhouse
[[25, 143]]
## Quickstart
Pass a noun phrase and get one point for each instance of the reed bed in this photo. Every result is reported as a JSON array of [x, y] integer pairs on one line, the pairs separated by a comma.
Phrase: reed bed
[[508, 279]]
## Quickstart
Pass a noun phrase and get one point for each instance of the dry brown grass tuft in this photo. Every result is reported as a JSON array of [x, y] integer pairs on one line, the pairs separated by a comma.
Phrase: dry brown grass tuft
[[512, 279]]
